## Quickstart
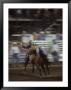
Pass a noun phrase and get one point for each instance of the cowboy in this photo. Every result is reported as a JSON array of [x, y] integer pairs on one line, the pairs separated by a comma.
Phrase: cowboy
[[15, 50], [55, 51]]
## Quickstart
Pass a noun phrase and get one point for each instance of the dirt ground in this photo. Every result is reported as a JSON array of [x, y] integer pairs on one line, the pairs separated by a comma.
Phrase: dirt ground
[[17, 73]]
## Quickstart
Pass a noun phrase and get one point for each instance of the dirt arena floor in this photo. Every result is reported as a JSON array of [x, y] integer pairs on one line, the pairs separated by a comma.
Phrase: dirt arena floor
[[17, 73]]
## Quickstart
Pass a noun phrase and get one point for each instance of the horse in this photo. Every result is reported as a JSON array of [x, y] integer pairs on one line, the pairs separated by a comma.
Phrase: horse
[[40, 61]]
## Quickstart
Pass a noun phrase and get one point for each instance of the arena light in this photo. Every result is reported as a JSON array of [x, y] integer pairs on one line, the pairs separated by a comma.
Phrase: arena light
[[19, 11]]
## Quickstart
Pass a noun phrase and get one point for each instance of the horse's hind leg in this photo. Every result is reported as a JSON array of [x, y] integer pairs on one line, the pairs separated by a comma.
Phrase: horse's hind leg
[[47, 68], [43, 68], [38, 68], [46, 65]]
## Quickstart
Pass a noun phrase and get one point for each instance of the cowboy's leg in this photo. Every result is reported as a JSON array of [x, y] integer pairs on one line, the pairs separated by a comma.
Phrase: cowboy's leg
[[17, 58], [54, 55], [57, 56]]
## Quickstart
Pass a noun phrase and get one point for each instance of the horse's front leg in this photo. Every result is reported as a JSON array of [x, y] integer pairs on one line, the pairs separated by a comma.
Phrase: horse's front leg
[[25, 67], [43, 69], [47, 68], [32, 67], [46, 63], [26, 62]]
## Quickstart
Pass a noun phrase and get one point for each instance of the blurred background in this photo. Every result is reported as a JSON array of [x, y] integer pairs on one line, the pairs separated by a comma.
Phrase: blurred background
[[40, 26]]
